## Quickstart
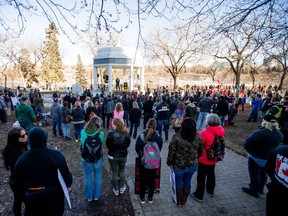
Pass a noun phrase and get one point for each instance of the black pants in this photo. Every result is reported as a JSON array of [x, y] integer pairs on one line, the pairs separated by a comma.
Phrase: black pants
[[203, 172], [146, 118], [147, 176], [3, 116], [276, 201]]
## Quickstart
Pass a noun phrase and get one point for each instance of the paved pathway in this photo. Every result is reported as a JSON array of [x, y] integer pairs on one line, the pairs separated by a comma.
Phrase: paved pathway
[[231, 175]]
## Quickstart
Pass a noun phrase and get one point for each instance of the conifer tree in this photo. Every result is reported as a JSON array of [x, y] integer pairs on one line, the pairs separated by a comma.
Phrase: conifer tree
[[80, 72], [52, 64]]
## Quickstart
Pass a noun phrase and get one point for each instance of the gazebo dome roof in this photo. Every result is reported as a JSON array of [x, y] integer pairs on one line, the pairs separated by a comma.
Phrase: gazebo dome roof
[[117, 55]]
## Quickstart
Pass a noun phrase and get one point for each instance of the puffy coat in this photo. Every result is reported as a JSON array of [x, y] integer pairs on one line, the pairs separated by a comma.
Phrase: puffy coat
[[117, 143]]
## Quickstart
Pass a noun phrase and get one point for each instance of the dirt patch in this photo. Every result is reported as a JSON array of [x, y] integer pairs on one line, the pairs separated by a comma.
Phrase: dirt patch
[[108, 204]]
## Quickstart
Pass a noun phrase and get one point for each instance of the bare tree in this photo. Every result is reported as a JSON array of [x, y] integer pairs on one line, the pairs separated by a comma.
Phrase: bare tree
[[174, 49]]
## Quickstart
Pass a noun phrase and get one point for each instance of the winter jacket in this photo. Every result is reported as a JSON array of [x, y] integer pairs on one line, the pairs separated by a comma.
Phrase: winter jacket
[[222, 107], [25, 113], [260, 142], [148, 107], [256, 104], [109, 106], [78, 115], [117, 143], [118, 115], [207, 137], [140, 143], [163, 112], [64, 111], [135, 115], [182, 153], [55, 110], [84, 136], [206, 104]]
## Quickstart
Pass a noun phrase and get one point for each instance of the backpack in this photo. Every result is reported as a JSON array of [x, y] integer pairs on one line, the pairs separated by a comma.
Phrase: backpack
[[275, 111], [92, 150], [151, 154], [217, 150]]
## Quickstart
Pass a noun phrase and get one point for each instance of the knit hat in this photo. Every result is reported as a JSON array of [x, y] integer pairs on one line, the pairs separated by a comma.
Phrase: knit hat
[[37, 138], [270, 118]]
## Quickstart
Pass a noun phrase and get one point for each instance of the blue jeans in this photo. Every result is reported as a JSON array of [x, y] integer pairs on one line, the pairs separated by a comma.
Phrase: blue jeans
[[183, 177], [57, 123], [26, 125], [135, 126], [201, 120], [118, 172], [90, 170], [77, 130], [258, 176], [160, 124], [126, 118], [222, 119], [253, 116], [66, 127], [109, 116]]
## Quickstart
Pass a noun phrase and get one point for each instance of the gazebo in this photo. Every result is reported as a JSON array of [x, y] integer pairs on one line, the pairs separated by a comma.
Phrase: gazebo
[[109, 60]]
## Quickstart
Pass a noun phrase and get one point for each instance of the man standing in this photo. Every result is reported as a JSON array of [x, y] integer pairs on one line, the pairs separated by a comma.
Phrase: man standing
[[258, 146], [25, 114], [117, 84], [37, 172], [3, 108], [205, 105], [163, 115], [55, 111], [148, 110]]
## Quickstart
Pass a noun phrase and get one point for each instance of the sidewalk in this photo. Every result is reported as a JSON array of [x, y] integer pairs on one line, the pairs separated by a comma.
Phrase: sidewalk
[[231, 176]]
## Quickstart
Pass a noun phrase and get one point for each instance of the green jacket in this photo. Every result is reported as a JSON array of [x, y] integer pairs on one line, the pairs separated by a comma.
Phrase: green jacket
[[25, 113]]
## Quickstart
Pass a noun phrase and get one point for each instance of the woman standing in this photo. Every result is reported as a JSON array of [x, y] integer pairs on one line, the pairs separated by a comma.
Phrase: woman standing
[[90, 111], [98, 107], [16, 145], [182, 157], [78, 116], [178, 116], [117, 142], [206, 168], [66, 126], [147, 175], [92, 129], [134, 117], [118, 111]]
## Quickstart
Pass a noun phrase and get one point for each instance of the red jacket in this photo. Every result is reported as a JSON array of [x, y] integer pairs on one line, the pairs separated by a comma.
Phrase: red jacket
[[207, 137]]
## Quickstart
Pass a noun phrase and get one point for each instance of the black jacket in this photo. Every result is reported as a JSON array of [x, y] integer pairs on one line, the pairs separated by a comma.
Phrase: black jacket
[[140, 143], [135, 115], [262, 141], [117, 143]]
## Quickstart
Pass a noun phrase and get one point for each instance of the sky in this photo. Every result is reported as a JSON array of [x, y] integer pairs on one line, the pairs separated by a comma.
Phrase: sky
[[35, 34]]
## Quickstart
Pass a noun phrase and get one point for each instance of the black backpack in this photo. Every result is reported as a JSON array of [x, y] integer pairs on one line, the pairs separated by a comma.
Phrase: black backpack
[[92, 150], [217, 150]]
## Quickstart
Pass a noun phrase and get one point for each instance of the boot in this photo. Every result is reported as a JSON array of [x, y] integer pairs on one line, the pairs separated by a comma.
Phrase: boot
[[185, 194], [179, 198]]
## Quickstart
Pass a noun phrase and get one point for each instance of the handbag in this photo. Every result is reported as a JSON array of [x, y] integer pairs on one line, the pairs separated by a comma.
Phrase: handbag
[[68, 118]]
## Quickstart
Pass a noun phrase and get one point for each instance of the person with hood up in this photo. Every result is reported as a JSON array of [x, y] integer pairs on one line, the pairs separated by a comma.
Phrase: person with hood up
[[206, 168], [36, 172], [55, 111]]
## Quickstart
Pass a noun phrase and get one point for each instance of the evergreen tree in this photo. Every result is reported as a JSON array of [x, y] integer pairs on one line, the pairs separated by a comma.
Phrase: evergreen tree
[[80, 72], [52, 63]]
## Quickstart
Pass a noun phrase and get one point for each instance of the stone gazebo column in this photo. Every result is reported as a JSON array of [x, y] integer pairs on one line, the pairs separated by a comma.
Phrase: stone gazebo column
[[131, 79], [110, 78], [95, 76], [142, 71]]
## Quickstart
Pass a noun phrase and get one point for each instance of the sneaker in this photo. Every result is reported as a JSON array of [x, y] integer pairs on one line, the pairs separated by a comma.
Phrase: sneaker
[[150, 200], [195, 197], [96, 198], [122, 190], [211, 194], [142, 201], [116, 192], [76, 140], [250, 192], [89, 200]]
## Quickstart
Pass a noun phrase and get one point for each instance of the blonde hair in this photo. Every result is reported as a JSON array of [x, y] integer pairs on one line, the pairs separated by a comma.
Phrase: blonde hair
[[120, 126], [94, 124], [119, 107], [77, 104], [90, 104], [270, 125]]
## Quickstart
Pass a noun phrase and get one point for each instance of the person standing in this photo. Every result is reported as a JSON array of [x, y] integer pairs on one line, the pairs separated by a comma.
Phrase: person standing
[[66, 125], [78, 116], [117, 84], [255, 107], [25, 114], [108, 110], [117, 142], [126, 108], [3, 108], [16, 145], [206, 168], [36, 172], [134, 116], [222, 109], [39, 103], [276, 167], [147, 175], [118, 112], [182, 158], [55, 111], [205, 105], [163, 115], [93, 170], [258, 146], [147, 110]]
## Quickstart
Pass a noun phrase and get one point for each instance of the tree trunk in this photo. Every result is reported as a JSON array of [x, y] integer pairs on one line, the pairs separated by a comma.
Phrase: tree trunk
[[282, 79], [237, 78], [175, 81]]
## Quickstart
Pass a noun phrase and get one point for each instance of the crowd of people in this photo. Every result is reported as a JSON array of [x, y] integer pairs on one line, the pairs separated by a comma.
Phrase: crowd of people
[[197, 115]]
